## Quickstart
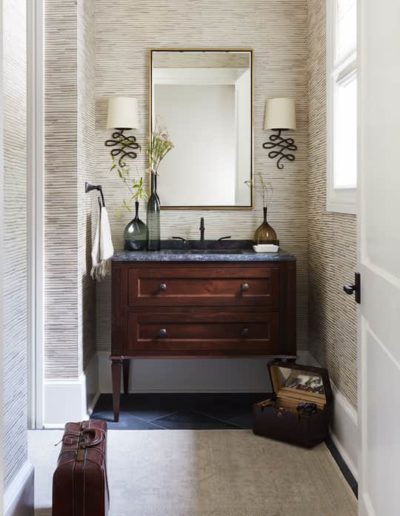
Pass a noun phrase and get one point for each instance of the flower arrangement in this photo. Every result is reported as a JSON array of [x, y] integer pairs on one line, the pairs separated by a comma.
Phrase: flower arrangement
[[267, 191], [135, 185], [159, 146]]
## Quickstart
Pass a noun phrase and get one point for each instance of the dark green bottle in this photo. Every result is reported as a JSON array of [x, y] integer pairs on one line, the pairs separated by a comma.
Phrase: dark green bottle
[[153, 217], [135, 233]]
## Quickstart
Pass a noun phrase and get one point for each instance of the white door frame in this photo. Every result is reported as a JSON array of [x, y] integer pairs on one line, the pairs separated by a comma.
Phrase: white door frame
[[35, 205]]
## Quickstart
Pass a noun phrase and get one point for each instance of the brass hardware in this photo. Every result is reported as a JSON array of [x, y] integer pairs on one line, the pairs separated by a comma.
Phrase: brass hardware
[[244, 332], [163, 332], [163, 287], [244, 287]]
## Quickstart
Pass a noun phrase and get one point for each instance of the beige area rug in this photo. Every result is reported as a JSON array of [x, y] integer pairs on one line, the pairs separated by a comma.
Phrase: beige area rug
[[206, 473]]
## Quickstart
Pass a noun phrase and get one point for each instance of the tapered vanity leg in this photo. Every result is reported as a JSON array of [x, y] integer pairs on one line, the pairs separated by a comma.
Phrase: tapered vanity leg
[[126, 366], [116, 367]]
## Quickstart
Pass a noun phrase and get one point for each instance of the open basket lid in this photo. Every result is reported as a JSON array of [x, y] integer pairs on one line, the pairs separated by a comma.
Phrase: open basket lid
[[300, 382]]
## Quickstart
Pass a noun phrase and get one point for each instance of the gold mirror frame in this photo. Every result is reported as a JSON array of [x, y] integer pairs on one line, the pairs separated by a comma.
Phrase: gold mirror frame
[[250, 51]]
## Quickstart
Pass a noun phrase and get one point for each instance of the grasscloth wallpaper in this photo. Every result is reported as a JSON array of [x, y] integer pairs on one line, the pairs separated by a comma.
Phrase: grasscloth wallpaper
[[277, 31], [13, 332], [94, 51], [332, 236], [69, 162], [87, 203], [62, 355]]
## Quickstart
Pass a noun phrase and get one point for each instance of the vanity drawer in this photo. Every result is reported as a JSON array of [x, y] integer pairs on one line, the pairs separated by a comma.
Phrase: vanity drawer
[[172, 286], [202, 332]]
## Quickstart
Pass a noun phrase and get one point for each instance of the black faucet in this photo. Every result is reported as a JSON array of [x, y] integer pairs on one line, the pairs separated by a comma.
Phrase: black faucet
[[183, 240], [202, 229]]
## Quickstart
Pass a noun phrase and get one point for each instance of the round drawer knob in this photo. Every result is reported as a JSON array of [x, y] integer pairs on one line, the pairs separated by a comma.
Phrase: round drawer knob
[[163, 287], [163, 332], [244, 332], [244, 287]]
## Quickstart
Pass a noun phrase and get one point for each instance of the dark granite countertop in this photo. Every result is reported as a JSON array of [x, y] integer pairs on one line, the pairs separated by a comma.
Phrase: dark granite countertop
[[226, 251]]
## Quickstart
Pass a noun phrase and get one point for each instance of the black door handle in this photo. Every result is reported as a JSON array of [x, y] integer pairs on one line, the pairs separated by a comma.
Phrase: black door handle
[[355, 288]]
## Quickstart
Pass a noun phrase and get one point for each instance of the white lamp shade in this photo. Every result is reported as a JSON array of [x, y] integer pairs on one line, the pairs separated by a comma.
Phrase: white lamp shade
[[280, 113], [123, 113]]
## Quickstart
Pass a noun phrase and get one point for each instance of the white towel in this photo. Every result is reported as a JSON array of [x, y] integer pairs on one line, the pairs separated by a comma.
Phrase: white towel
[[103, 248]]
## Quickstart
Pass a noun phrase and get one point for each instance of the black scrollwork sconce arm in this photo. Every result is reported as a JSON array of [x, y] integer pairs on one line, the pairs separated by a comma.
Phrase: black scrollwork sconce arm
[[125, 146], [281, 147]]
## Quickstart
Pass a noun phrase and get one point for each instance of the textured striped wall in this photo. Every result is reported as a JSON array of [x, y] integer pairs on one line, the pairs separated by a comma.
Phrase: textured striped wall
[[14, 331], [277, 31], [332, 237], [69, 161], [87, 203], [62, 358]]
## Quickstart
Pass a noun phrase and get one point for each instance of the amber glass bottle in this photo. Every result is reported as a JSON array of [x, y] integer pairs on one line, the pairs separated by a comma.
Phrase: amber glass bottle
[[265, 234]]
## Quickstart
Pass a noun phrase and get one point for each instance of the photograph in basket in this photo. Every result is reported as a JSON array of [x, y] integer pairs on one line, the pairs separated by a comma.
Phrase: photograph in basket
[[303, 381]]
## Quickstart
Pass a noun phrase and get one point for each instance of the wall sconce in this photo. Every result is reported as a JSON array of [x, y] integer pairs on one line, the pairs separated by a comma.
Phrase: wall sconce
[[280, 115], [122, 115]]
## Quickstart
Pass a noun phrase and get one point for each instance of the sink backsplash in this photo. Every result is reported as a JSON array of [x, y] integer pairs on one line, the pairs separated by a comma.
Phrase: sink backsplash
[[207, 244]]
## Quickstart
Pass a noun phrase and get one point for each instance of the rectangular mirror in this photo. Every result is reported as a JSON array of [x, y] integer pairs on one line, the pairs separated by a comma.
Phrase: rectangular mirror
[[204, 100]]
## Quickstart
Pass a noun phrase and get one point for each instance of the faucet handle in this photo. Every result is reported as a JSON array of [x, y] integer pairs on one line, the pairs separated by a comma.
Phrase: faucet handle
[[179, 238], [223, 238]]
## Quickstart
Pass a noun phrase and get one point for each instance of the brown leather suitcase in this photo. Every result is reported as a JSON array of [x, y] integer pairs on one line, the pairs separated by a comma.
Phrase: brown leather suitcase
[[299, 410], [80, 481]]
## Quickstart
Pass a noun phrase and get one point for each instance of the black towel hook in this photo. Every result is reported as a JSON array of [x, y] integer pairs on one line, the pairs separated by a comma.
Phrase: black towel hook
[[89, 188]]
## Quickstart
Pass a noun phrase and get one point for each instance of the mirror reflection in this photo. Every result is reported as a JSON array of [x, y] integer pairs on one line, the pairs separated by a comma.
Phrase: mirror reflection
[[204, 100]]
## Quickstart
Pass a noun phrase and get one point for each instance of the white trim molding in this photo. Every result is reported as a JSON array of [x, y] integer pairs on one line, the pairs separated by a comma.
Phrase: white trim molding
[[190, 375], [71, 399], [35, 200], [341, 200], [344, 430], [19, 495]]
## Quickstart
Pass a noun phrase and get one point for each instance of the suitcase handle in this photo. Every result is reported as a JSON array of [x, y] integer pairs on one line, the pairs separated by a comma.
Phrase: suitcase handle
[[91, 437]]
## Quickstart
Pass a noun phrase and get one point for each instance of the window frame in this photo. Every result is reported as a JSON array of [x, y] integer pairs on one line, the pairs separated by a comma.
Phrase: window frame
[[340, 200]]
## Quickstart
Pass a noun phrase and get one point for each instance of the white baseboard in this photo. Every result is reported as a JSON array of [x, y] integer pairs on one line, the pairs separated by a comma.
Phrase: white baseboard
[[19, 495], [90, 407], [344, 431], [71, 399], [190, 375], [92, 383]]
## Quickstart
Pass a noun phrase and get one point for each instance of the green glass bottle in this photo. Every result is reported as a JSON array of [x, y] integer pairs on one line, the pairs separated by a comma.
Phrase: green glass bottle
[[153, 217], [135, 233]]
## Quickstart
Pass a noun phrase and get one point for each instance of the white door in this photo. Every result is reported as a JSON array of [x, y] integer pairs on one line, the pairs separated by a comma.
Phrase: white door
[[379, 256]]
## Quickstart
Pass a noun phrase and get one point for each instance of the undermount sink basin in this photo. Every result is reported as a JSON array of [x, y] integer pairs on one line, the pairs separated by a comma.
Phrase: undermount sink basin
[[202, 251]]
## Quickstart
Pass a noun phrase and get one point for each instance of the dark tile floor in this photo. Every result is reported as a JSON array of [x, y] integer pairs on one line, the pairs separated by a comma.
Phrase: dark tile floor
[[179, 411]]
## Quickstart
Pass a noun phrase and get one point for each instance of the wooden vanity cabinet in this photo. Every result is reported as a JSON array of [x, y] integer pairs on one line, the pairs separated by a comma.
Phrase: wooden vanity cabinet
[[181, 309]]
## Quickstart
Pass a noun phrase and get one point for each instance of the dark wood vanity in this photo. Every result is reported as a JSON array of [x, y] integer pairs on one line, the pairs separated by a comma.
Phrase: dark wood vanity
[[187, 308]]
